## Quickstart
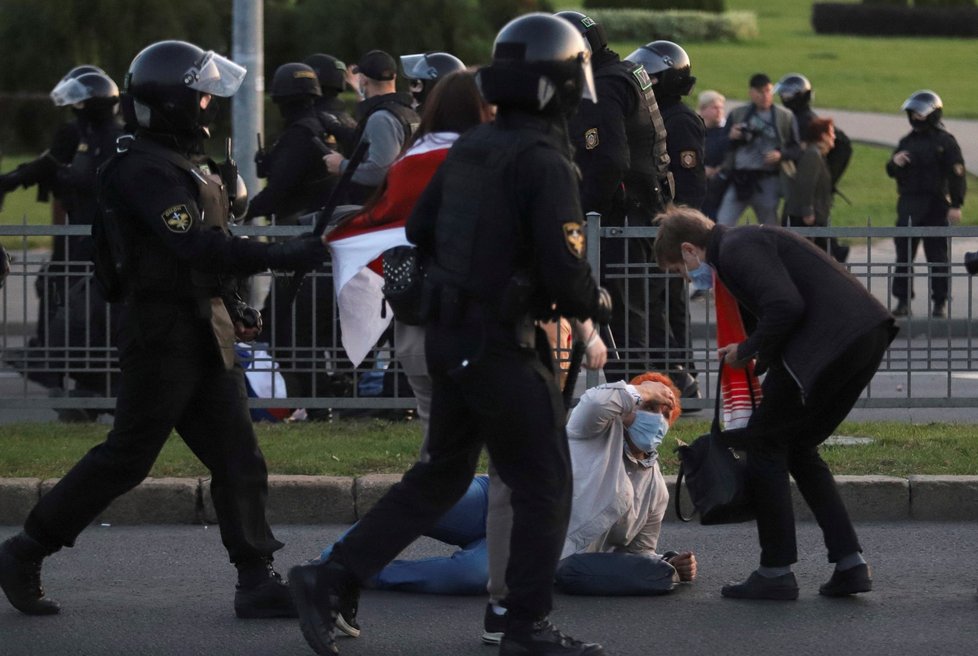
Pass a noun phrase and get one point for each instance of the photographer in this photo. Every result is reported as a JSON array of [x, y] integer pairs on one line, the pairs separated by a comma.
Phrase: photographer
[[763, 150]]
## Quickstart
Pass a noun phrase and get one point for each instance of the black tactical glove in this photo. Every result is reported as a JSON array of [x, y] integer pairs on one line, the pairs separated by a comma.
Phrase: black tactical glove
[[303, 253], [9, 182], [602, 313]]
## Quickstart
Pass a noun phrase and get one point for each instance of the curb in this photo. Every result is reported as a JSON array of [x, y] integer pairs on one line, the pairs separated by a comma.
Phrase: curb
[[344, 499]]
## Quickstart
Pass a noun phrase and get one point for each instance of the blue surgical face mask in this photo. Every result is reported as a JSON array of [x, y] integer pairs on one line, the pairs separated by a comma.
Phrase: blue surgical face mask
[[700, 278], [647, 431]]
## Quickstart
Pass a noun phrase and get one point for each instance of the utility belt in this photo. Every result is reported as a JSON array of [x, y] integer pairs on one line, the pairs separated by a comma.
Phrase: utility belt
[[449, 305]]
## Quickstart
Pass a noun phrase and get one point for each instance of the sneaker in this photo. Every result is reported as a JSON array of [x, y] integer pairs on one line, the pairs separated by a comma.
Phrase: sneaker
[[777, 588], [20, 576], [542, 638], [848, 582], [939, 311], [493, 626], [346, 619], [902, 309], [319, 592], [266, 598]]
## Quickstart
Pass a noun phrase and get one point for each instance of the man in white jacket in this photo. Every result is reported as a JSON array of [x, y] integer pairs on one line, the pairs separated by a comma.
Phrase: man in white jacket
[[620, 497]]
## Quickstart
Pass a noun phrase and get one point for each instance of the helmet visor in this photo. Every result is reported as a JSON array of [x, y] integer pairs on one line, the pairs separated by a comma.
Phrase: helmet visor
[[68, 92], [416, 67], [215, 75], [920, 105]]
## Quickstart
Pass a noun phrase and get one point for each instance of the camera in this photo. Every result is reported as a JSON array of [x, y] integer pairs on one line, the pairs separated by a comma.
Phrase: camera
[[971, 263], [747, 132]]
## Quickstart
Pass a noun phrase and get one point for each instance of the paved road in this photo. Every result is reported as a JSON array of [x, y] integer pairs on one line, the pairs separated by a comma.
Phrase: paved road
[[167, 590]]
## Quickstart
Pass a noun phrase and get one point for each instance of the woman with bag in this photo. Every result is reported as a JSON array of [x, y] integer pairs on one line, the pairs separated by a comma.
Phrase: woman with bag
[[820, 337]]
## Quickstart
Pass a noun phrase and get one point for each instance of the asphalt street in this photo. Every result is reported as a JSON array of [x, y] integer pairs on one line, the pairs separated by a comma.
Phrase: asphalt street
[[168, 591]]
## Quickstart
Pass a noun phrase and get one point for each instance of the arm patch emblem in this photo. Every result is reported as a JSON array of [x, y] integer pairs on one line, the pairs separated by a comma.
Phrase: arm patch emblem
[[959, 169], [591, 140], [177, 219], [688, 159], [574, 238]]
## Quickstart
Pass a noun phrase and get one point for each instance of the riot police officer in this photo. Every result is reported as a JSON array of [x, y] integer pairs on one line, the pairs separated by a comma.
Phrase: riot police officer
[[500, 226], [298, 181], [620, 147], [162, 219], [670, 71], [332, 80], [795, 91], [930, 175], [424, 70]]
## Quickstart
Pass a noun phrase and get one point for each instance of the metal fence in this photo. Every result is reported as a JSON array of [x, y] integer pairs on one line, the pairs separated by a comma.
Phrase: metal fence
[[70, 363]]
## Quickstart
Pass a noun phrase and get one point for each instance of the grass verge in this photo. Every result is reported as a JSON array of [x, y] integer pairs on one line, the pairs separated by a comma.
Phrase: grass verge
[[354, 448]]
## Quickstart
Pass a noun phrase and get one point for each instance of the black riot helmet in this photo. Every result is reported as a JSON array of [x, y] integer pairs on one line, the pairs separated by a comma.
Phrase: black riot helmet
[[91, 87], [669, 66], [166, 82], [425, 69], [926, 103], [589, 28], [295, 80], [330, 71], [540, 63], [795, 91]]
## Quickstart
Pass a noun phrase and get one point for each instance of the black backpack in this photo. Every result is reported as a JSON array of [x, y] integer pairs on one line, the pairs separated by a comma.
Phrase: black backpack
[[838, 158]]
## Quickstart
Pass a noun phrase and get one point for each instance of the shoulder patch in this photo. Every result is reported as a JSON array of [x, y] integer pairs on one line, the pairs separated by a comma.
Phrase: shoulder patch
[[959, 169], [177, 218], [591, 139], [642, 76], [574, 238], [688, 159]]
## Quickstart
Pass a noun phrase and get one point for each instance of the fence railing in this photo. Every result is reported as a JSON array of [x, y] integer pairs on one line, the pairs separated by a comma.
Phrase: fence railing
[[58, 350]]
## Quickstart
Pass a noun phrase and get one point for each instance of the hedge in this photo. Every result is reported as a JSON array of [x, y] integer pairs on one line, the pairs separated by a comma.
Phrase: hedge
[[878, 20], [674, 25], [715, 6]]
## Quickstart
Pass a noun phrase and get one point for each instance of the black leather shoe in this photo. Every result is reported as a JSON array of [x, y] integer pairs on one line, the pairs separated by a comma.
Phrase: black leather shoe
[[319, 592], [266, 599], [902, 309], [20, 577], [777, 588], [939, 311], [848, 582], [543, 639]]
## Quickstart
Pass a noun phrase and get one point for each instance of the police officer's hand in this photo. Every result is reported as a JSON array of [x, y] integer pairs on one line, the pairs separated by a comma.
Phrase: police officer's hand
[[333, 162], [954, 215], [901, 158], [595, 352], [302, 253]]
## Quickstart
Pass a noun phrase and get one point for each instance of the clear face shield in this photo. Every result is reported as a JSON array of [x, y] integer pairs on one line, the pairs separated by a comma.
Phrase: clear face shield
[[215, 75], [416, 67], [587, 77], [69, 91]]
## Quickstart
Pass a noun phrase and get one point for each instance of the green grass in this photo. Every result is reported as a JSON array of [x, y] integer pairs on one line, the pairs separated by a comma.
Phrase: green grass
[[354, 448], [848, 72]]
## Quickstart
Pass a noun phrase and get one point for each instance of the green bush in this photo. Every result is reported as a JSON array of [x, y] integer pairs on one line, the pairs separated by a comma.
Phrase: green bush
[[715, 6], [943, 3], [892, 3], [679, 26]]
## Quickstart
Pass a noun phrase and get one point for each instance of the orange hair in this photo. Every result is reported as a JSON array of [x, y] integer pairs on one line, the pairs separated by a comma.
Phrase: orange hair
[[656, 377]]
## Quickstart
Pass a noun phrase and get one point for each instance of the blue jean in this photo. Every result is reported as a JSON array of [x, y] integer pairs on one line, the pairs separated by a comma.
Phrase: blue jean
[[615, 573], [465, 572]]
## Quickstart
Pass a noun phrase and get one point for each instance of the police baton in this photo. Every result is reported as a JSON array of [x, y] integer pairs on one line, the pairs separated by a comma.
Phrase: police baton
[[324, 217], [576, 359]]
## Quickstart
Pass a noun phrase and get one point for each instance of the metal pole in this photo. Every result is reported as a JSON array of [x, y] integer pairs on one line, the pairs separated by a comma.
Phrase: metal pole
[[247, 49]]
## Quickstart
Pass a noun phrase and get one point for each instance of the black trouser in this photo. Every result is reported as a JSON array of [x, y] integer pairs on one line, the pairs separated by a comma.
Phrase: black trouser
[[921, 210], [625, 266], [172, 378], [668, 321], [507, 399], [785, 434]]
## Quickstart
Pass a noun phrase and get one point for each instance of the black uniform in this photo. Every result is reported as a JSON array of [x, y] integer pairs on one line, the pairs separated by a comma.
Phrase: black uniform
[[620, 148], [176, 346], [931, 183], [342, 126], [500, 224]]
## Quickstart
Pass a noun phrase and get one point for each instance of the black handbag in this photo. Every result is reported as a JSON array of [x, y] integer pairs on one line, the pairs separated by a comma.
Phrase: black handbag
[[404, 283], [715, 473]]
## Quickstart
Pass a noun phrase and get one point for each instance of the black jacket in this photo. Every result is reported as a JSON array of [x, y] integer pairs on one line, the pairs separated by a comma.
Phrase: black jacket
[[936, 166], [809, 308]]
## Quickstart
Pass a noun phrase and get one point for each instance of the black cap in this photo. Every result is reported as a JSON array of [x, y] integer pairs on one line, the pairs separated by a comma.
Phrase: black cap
[[377, 65], [758, 80]]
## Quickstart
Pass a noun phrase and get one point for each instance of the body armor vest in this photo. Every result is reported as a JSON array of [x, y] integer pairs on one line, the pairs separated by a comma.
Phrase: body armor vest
[[648, 182], [398, 104]]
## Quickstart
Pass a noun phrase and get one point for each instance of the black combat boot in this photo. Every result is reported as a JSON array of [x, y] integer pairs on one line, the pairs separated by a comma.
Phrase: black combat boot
[[261, 593], [20, 575], [541, 638], [321, 593]]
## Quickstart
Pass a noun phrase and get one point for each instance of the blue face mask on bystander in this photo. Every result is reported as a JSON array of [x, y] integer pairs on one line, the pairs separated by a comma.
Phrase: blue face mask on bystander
[[647, 431], [700, 278]]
